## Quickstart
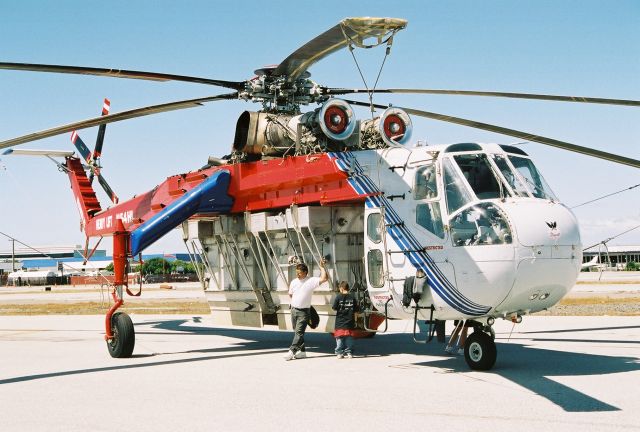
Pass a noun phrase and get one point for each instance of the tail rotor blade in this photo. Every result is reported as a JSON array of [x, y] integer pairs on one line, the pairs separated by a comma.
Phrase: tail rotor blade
[[81, 146], [97, 150], [112, 196]]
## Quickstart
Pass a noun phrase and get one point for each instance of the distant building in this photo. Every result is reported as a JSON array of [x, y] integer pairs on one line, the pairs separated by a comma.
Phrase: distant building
[[47, 251], [613, 256], [39, 271], [75, 265]]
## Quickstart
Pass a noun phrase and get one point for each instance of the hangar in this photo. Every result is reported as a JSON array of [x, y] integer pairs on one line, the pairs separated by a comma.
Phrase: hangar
[[613, 257]]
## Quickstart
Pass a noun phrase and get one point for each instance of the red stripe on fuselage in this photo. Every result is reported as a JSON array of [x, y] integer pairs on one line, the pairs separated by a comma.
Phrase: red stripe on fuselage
[[254, 186]]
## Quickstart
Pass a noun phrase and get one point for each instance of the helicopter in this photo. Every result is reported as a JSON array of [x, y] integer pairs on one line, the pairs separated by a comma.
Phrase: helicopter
[[465, 231]]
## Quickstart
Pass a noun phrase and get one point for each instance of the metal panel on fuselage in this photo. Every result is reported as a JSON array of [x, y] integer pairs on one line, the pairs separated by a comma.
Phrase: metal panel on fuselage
[[266, 247]]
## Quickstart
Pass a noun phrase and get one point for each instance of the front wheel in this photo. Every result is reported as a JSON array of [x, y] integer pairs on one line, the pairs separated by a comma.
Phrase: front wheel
[[124, 337], [480, 351]]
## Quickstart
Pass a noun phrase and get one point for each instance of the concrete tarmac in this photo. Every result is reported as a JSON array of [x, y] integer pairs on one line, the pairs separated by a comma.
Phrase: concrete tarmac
[[552, 373]]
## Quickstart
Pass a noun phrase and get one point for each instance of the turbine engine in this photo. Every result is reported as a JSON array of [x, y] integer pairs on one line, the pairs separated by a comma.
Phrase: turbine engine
[[391, 129], [327, 128], [331, 127]]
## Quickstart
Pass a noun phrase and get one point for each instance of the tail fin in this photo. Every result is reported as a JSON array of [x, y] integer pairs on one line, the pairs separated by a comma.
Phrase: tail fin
[[84, 194]]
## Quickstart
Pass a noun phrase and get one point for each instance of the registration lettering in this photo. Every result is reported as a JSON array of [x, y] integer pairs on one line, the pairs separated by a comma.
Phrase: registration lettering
[[125, 216], [106, 222]]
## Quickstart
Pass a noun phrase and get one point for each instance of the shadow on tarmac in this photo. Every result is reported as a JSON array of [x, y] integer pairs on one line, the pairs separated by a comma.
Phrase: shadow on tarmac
[[533, 368], [526, 366]]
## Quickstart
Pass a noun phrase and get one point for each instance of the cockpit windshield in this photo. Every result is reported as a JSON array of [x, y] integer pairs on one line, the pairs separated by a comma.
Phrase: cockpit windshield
[[480, 176], [535, 182], [510, 176]]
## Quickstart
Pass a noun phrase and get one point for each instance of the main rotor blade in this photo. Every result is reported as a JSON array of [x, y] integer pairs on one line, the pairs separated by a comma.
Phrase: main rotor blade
[[52, 153], [581, 99], [111, 118], [349, 30], [119, 73], [515, 133]]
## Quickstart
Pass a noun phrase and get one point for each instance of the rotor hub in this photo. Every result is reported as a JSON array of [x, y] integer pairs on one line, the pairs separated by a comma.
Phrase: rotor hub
[[277, 94]]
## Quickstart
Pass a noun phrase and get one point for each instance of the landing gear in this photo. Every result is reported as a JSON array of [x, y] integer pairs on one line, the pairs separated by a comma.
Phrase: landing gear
[[120, 335], [480, 351], [123, 336], [490, 331]]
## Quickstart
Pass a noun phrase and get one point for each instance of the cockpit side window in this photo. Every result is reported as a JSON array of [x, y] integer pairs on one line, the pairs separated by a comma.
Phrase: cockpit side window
[[428, 216], [477, 170], [535, 182], [425, 183], [455, 189], [482, 224]]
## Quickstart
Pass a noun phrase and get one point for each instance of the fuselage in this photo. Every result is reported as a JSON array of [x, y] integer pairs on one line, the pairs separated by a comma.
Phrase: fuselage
[[477, 219]]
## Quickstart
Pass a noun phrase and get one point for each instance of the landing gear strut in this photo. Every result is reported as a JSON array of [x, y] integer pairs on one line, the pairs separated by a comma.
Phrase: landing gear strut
[[120, 335], [480, 351]]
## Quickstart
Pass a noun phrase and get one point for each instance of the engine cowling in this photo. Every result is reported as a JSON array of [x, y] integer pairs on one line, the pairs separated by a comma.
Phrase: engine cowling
[[336, 119], [274, 134], [392, 128], [259, 133], [395, 126]]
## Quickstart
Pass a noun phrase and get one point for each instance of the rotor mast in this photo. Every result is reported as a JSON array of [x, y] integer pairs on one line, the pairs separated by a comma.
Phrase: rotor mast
[[283, 88]]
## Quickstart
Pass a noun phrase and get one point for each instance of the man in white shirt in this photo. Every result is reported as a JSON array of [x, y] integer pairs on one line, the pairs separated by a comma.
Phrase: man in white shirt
[[300, 291]]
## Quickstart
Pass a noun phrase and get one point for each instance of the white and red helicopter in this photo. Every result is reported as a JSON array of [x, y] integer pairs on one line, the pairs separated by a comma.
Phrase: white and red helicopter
[[462, 231]]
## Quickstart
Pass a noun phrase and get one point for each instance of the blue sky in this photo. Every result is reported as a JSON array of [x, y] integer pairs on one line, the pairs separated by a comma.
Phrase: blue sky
[[584, 48]]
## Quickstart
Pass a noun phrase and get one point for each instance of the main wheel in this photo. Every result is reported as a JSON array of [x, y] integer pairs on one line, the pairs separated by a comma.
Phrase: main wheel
[[480, 351], [124, 337]]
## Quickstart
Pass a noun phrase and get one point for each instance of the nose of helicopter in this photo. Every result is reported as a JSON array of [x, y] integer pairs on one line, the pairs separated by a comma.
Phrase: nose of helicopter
[[543, 223], [548, 254]]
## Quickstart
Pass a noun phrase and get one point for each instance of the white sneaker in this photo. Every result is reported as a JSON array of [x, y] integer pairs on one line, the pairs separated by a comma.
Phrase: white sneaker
[[300, 355], [340, 356], [289, 356], [349, 356], [449, 349]]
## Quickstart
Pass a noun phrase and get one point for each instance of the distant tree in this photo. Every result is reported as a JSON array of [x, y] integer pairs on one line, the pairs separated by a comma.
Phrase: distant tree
[[156, 266], [133, 269], [632, 266], [179, 266]]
